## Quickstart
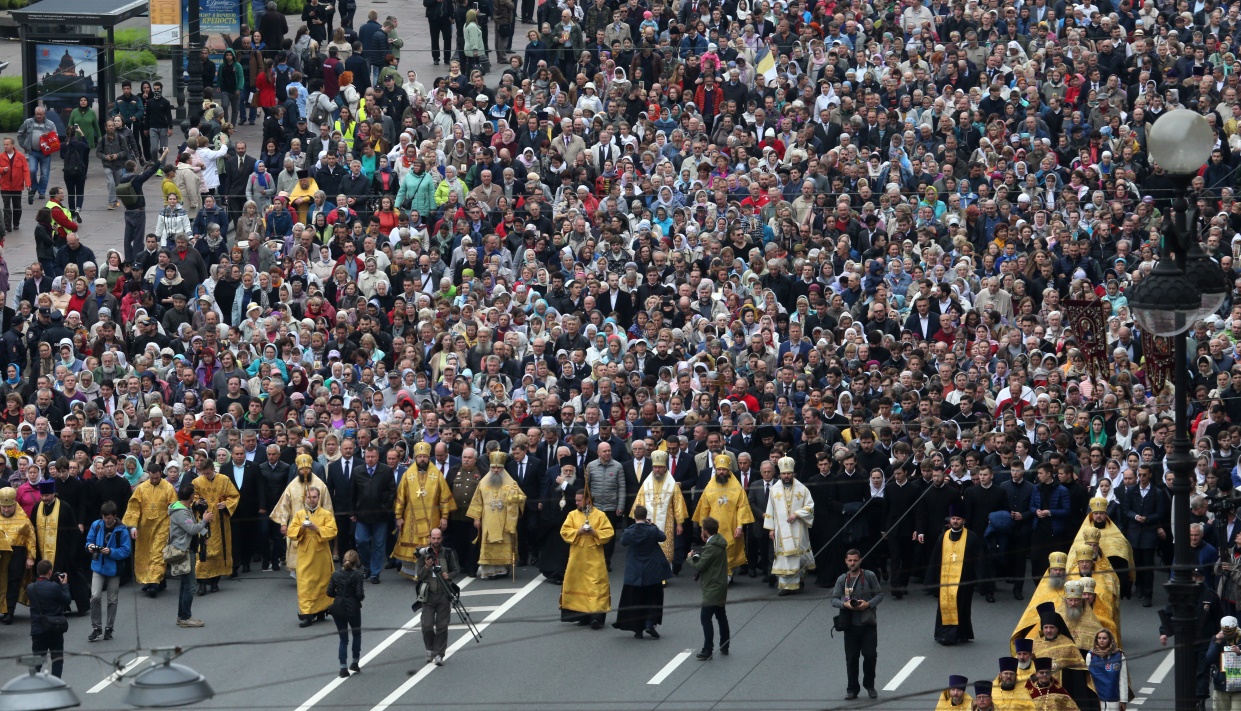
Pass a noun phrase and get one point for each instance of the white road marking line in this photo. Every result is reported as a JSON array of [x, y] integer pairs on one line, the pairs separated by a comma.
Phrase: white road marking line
[[670, 667], [482, 608], [491, 591], [331, 686], [903, 674], [453, 648], [1137, 702], [1162, 670], [1147, 690], [115, 675]]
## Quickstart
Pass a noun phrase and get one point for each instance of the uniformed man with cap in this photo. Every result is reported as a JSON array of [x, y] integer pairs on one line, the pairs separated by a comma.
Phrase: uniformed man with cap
[[497, 510], [1008, 690], [17, 549], [724, 500], [955, 696]]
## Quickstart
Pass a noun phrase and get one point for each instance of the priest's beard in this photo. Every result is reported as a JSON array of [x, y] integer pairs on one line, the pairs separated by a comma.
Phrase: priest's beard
[[1074, 614], [305, 478], [1025, 665], [493, 479], [1056, 581], [721, 478], [1008, 685]]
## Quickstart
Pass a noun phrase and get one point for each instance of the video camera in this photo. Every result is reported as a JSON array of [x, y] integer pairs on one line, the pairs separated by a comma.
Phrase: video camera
[[427, 553], [1226, 499]]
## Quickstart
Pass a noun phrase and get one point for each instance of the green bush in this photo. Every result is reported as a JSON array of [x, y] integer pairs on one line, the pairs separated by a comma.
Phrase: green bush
[[11, 89], [11, 115], [131, 65], [18, 4], [4, 4], [137, 39], [290, 7]]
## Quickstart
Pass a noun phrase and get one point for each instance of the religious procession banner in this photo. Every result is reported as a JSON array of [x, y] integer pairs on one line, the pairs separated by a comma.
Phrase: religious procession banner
[[1158, 362], [1088, 322]]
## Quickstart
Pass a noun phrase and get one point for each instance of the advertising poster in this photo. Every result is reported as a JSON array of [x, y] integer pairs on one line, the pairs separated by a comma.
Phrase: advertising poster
[[65, 73]]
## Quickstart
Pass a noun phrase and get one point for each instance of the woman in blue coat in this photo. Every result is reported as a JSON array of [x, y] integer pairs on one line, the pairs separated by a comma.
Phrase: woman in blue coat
[[641, 605]]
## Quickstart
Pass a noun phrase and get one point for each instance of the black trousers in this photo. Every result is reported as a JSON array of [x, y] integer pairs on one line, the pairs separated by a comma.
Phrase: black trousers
[[861, 641], [1144, 561], [17, 571], [1015, 560], [76, 187], [901, 562], [50, 642], [12, 209], [708, 631], [527, 10], [245, 540], [345, 539], [273, 543], [441, 28], [618, 524], [460, 537]]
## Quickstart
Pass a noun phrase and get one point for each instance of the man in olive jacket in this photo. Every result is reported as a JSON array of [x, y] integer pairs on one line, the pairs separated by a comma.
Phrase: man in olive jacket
[[712, 566]]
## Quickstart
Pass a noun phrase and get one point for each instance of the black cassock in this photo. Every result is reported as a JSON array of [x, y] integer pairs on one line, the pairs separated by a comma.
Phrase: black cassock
[[554, 554], [71, 555], [963, 631]]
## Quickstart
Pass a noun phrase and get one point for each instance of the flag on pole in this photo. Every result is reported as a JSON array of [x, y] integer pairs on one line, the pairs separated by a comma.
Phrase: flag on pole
[[766, 64]]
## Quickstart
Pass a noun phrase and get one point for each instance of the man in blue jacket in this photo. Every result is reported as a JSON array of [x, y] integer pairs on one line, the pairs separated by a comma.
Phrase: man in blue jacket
[[1049, 507], [107, 543]]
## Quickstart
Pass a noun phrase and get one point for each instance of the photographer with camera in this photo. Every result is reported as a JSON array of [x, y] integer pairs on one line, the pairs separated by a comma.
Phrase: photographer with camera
[[856, 595], [437, 566], [107, 542], [49, 602], [185, 533]]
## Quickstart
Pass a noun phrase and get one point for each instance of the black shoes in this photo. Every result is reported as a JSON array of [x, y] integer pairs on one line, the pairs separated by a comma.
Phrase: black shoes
[[651, 631], [991, 597], [354, 666], [637, 635], [872, 693], [95, 634], [724, 650], [375, 580], [1017, 594], [306, 622], [1146, 602], [596, 625], [344, 673], [107, 634], [704, 655], [202, 589], [851, 696]]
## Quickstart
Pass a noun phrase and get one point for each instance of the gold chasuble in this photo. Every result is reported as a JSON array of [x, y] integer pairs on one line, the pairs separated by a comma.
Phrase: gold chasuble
[[292, 500], [497, 506], [727, 503], [945, 702], [1015, 699], [422, 500], [314, 564], [217, 490], [148, 512], [951, 564], [665, 506], [16, 538], [1052, 697], [586, 587]]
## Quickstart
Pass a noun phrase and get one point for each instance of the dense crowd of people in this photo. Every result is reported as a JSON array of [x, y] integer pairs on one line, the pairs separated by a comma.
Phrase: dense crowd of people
[[673, 256]]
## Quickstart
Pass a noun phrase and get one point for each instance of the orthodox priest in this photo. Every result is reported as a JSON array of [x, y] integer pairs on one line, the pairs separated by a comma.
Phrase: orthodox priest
[[1046, 694], [1111, 544], [789, 516], [586, 594], [1081, 620], [313, 528], [293, 499], [1055, 642], [1008, 691], [16, 565], [423, 501], [1086, 562], [955, 697], [220, 495], [953, 566], [1050, 589], [665, 505], [147, 519], [724, 500], [60, 541], [497, 510], [559, 500]]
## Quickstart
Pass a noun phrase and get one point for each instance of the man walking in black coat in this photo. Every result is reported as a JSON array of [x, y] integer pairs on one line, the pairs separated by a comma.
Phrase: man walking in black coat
[[244, 522], [49, 601], [372, 492], [900, 504], [981, 500], [641, 605], [1146, 509], [274, 477], [339, 475], [1019, 491]]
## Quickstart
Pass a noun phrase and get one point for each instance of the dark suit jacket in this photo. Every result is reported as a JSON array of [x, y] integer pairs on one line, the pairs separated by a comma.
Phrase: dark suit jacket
[[372, 497], [28, 288], [234, 183], [531, 485], [758, 495], [1154, 507], [913, 323], [338, 486], [251, 484]]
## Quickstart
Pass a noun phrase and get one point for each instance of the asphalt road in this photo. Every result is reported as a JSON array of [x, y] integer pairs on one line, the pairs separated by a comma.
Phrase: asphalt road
[[783, 654]]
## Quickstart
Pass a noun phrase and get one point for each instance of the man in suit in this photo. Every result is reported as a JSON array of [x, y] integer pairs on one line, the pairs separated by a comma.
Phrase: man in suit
[[528, 472], [758, 543], [372, 494], [276, 475], [568, 144], [1146, 511], [244, 520], [636, 469], [38, 283], [444, 461], [924, 321], [744, 439], [237, 170], [339, 478]]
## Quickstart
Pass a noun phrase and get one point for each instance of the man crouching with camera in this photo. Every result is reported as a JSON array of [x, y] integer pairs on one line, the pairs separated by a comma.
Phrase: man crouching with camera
[[437, 566]]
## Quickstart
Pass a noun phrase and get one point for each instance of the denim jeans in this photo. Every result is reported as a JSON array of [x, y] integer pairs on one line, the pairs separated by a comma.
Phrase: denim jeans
[[99, 586], [185, 598], [371, 540], [708, 632], [354, 622], [40, 171]]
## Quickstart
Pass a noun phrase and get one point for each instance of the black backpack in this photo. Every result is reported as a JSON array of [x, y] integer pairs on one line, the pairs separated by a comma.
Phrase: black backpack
[[282, 83], [75, 163]]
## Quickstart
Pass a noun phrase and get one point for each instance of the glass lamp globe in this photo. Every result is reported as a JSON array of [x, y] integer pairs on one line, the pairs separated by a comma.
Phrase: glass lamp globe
[[1166, 302], [1180, 141]]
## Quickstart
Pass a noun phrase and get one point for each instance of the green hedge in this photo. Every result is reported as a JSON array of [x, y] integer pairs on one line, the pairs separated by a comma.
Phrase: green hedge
[[128, 62], [137, 39], [290, 7], [11, 89], [11, 115]]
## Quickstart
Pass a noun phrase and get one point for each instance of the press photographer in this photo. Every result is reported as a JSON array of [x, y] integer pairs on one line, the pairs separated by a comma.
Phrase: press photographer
[[437, 566]]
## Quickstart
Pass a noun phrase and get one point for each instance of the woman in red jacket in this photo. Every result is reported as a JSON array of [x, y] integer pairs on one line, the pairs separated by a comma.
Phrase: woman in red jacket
[[265, 85]]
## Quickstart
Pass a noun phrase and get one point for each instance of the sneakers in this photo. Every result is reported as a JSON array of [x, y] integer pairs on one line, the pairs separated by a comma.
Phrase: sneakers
[[107, 634], [439, 661], [95, 634], [192, 622]]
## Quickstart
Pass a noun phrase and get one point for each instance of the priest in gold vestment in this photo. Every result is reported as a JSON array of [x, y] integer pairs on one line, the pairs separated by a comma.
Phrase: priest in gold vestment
[[586, 594], [955, 698], [724, 500], [313, 527], [1111, 544], [1045, 692], [221, 496], [1008, 690], [664, 502], [1050, 589], [293, 499], [497, 509], [17, 563], [147, 519], [423, 501]]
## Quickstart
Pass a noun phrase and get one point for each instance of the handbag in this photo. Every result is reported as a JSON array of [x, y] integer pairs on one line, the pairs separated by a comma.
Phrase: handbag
[[54, 624], [174, 555]]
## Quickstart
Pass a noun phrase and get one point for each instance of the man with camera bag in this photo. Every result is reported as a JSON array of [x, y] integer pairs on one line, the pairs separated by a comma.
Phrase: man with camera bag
[[49, 602], [856, 595], [437, 566], [107, 543]]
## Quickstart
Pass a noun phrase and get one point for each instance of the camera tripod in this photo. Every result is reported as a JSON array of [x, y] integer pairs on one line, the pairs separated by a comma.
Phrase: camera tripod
[[454, 594]]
